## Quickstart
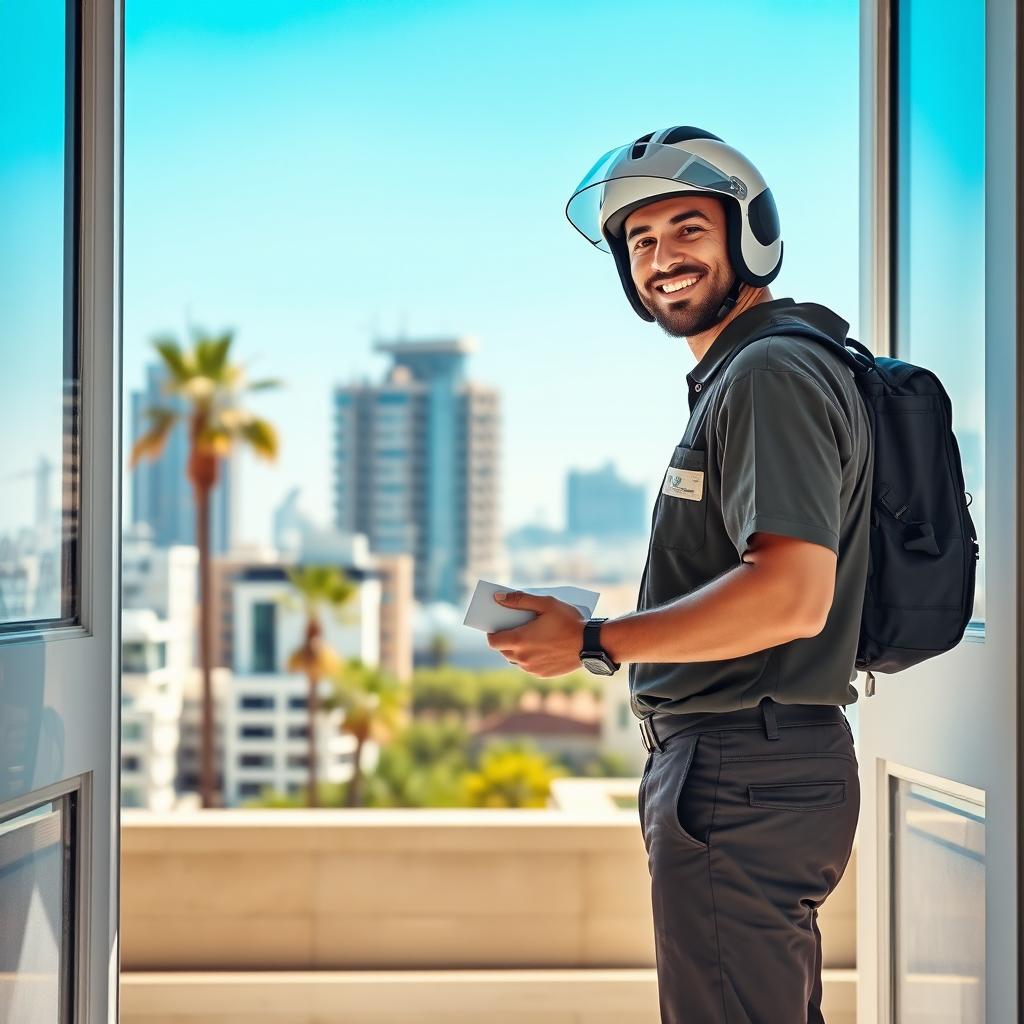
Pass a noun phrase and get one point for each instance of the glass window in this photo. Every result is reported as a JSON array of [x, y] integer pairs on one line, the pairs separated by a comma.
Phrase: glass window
[[939, 220], [938, 906], [131, 796], [257, 732], [143, 655], [256, 760], [132, 731], [264, 636], [39, 384], [256, 702], [297, 703], [37, 866]]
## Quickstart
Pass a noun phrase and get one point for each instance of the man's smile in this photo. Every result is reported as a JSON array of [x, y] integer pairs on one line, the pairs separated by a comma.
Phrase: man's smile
[[677, 284]]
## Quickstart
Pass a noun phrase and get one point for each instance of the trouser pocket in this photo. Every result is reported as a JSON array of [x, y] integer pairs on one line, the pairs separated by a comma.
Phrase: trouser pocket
[[679, 792], [798, 796]]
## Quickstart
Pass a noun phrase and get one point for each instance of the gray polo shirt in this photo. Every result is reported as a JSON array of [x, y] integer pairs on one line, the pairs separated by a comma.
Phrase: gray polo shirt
[[786, 449]]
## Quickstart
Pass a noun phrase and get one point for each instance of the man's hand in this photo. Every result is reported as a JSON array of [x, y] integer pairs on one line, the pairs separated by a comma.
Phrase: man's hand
[[548, 645]]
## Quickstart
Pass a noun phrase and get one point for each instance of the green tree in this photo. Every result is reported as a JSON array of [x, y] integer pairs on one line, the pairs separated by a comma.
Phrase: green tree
[[606, 764], [511, 775], [421, 767], [319, 588], [205, 388], [502, 689], [329, 795], [375, 705], [442, 690], [440, 649]]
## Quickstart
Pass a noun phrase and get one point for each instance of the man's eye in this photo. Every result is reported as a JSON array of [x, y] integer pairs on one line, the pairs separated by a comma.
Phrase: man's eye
[[688, 227]]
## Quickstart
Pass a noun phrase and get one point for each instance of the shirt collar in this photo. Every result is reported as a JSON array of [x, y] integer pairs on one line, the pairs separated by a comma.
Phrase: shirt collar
[[750, 320]]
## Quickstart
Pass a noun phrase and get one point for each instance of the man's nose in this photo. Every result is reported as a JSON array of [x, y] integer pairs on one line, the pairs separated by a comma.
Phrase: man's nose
[[663, 257]]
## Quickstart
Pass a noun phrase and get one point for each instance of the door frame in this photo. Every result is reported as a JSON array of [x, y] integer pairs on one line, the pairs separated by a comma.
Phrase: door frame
[[1004, 247], [72, 669], [100, 305]]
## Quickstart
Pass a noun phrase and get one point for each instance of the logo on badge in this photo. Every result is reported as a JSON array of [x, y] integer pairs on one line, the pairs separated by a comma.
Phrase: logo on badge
[[684, 483]]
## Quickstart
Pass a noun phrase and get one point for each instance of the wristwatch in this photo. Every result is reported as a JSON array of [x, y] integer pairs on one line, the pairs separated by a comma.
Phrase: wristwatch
[[594, 657]]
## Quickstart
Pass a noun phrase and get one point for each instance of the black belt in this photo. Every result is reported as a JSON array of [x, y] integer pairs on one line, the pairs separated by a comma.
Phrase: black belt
[[657, 727]]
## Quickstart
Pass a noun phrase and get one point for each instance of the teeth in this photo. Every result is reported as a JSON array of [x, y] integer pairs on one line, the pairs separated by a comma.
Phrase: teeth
[[675, 286]]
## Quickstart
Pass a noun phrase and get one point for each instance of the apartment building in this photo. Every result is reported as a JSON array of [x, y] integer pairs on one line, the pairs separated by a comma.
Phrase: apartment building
[[417, 465]]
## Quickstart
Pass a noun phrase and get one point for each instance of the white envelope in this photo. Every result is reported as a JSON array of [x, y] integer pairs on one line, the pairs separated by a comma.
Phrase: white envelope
[[485, 613]]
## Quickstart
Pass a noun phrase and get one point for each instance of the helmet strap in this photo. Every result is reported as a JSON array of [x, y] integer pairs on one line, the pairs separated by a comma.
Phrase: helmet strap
[[729, 301]]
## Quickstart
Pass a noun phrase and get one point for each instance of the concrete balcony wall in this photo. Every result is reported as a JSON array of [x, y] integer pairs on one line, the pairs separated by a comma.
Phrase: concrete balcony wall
[[426, 915]]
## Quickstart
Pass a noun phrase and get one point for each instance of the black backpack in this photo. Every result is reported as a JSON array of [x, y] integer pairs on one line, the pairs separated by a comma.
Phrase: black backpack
[[923, 550]]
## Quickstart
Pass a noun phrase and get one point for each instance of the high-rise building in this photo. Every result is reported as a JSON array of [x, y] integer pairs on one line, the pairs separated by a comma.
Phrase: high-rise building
[[161, 492], [417, 466], [599, 503]]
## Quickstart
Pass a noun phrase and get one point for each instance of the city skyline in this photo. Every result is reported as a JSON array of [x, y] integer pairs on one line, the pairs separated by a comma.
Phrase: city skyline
[[276, 216]]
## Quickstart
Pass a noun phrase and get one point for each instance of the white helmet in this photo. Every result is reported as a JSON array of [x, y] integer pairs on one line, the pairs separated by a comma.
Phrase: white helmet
[[673, 162]]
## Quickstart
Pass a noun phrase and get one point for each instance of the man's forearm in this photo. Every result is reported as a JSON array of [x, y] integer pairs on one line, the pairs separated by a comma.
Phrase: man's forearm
[[749, 608]]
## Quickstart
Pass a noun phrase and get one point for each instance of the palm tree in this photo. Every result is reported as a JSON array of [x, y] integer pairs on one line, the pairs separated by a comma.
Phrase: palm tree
[[319, 587], [375, 705], [203, 389], [440, 648]]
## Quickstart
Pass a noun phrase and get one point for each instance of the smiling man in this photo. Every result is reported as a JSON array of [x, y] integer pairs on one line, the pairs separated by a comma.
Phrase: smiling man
[[741, 650], [686, 301]]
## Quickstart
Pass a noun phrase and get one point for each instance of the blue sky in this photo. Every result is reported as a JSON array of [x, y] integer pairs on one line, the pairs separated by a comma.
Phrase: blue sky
[[310, 173]]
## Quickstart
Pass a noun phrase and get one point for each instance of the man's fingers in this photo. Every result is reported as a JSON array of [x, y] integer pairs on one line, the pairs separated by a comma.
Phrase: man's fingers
[[504, 637]]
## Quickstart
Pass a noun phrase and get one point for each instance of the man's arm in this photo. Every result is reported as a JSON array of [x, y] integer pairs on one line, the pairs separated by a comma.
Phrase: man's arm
[[782, 590]]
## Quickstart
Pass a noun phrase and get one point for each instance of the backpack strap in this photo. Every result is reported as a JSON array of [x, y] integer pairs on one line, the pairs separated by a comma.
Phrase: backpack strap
[[788, 324]]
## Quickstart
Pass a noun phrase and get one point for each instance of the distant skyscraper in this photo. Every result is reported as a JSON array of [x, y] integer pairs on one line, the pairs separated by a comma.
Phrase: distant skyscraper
[[161, 492], [417, 466], [601, 504]]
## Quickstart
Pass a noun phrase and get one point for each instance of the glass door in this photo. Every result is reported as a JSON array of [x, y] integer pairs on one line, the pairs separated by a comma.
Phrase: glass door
[[60, 157], [938, 744]]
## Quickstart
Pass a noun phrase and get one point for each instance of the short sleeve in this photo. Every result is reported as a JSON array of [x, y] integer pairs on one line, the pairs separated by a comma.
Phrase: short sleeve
[[778, 442]]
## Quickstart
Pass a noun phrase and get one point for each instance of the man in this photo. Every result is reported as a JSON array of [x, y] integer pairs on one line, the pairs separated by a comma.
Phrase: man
[[743, 643]]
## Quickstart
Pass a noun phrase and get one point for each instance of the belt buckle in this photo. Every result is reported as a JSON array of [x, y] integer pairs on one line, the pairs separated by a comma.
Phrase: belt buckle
[[648, 735]]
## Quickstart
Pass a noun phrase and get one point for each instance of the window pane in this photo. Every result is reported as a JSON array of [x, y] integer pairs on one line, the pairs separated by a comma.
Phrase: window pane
[[36, 868], [938, 898], [38, 388], [940, 220], [264, 626]]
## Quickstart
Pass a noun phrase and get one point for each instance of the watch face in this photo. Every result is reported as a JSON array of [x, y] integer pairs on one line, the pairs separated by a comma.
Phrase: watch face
[[598, 667]]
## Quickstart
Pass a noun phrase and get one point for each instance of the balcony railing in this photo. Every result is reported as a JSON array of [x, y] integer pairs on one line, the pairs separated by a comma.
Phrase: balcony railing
[[366, 915]]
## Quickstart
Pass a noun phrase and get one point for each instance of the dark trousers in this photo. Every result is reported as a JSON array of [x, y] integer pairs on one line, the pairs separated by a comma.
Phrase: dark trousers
[[748, 818]]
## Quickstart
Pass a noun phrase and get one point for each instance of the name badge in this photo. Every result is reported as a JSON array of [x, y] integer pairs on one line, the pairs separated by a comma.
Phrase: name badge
[[684, 483]]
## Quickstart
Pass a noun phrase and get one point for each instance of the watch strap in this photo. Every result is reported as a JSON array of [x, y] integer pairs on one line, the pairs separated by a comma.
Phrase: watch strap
[[592, 643], [592, 635]]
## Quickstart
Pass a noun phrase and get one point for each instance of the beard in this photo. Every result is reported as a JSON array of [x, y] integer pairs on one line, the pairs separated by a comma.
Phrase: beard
[[687, 316]]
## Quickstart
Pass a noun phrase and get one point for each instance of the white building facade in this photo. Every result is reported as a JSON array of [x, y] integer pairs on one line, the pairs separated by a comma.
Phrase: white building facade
[[157, 642], [264, 708]]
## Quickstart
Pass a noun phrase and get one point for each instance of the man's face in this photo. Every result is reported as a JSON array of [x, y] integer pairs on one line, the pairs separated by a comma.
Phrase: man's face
[[670, 242]]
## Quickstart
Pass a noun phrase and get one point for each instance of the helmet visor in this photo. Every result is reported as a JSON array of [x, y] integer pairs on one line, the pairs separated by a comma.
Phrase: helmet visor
[[594, 198]]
